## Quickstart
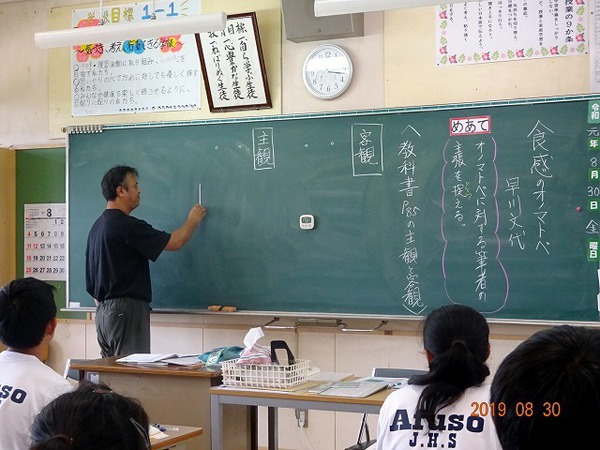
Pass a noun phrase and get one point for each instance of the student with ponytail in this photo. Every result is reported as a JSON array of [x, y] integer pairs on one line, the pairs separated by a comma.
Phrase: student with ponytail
[[91, 418], [436, 409]]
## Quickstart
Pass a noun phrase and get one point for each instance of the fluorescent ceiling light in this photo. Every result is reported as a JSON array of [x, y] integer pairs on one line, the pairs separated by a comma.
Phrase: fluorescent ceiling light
[[336, 7], [134, 30]]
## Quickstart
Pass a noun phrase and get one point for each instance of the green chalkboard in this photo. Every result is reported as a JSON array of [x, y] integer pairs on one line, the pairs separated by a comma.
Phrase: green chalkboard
[[491, 206]]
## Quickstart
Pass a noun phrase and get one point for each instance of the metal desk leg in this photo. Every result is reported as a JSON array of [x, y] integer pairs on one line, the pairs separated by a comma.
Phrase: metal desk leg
[[273, 432], [253, 427], [216, 423]]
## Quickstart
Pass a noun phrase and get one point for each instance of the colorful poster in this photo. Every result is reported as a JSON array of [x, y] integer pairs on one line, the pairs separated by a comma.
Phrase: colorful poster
[[594, 35], [510, 30], [137, 75], [45, 241]]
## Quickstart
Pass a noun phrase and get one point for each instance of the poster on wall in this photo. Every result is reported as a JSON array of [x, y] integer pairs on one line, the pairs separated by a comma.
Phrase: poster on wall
[[594, 51], [510, 30], [233, 66], [135, 75], [45, 241]]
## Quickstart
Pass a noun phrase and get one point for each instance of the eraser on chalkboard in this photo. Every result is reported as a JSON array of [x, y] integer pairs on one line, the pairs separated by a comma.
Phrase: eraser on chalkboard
[[222, 308]]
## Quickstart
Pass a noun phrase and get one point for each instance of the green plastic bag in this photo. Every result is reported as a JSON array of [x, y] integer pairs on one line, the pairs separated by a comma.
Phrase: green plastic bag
[[219, 354]]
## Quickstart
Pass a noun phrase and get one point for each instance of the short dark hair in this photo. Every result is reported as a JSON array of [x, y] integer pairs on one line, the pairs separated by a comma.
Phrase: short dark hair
[[114, 178], [91, 418], [457, 337], [26, 307], [550, 388]]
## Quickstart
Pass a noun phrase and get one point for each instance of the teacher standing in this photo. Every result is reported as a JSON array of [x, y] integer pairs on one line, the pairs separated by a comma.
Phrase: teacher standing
[[117, 273]]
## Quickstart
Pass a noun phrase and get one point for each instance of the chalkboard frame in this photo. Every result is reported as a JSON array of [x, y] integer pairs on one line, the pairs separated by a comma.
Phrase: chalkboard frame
[[357, 114]]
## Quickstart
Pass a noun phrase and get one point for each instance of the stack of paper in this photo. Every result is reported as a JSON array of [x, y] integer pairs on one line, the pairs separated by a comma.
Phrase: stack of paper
[[354, 388], [164, 358], [329, 376]]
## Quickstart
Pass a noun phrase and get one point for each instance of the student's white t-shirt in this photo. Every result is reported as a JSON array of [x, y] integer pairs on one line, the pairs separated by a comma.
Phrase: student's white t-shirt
[[26, 386], [456, 427]]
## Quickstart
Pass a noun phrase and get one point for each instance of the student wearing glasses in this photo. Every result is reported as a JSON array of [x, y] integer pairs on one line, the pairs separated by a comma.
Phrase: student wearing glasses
[[91, 418], [435, 410]]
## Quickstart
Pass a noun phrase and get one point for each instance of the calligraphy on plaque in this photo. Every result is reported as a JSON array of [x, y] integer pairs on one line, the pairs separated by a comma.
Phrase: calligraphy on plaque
[[233, 66]]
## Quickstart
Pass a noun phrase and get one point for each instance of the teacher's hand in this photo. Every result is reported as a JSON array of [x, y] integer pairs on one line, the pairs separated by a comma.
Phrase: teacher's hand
[[197, 214]]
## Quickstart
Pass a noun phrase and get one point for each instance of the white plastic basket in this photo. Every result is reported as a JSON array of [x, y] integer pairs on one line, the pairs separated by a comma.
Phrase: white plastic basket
[[265, 375]]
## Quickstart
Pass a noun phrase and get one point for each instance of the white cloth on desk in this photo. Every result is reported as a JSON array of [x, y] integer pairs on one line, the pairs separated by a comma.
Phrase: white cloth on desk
[[26, 386], [397, 428]]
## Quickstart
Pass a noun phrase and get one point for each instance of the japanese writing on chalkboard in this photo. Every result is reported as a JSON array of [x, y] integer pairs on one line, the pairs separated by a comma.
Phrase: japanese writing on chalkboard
[[233, 66], [135, 75], [472, 259], [593, 181], [541, 168], [367, 149], [462, 126], [452, 219], [408, 185], [45, 241], [263, 148]]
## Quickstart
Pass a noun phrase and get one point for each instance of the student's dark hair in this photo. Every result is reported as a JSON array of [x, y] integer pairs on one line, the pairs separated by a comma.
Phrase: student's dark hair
[[26, 307], [114, 178], [91, 418], [457, 337], [550, 388]]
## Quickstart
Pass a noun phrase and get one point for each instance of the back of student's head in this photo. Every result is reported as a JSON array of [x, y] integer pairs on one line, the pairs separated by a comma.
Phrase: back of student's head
[[26, 307], [456, 338], [549, 387], [91, 418]]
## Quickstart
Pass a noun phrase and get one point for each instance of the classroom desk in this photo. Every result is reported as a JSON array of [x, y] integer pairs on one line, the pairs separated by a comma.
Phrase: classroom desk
[[175, 435], [170, 394], [221, 396]]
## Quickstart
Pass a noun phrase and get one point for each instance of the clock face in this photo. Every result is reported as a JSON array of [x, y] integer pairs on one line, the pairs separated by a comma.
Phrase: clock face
[[327, 71]]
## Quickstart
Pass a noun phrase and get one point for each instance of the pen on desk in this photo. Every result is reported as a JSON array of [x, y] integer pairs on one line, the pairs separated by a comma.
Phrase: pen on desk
[[199, 193], [159, 426]]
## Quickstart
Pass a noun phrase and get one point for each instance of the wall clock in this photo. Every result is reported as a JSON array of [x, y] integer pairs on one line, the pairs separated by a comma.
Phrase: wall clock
[[327, 71]]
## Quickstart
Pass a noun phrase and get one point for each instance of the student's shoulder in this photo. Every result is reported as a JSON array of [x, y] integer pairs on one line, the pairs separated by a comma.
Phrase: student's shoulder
[[54, 382], [476, 394], [407, 394], [482, 389]]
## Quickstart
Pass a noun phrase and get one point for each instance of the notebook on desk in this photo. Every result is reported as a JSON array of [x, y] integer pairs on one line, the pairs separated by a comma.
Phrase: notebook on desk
[[356, 389], [145, 358]]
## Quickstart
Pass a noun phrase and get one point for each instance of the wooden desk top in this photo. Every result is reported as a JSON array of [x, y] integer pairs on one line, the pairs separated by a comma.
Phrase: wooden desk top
[[176, 434], [376, 399], [109, 365]]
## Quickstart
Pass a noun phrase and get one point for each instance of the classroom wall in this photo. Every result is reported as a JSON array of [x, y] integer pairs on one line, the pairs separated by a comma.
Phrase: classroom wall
[[7, 215], [393, 67], [412, 78]]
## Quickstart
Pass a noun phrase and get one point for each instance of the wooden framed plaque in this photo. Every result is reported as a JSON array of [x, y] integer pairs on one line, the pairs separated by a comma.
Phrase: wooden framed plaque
[[233, 66]]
